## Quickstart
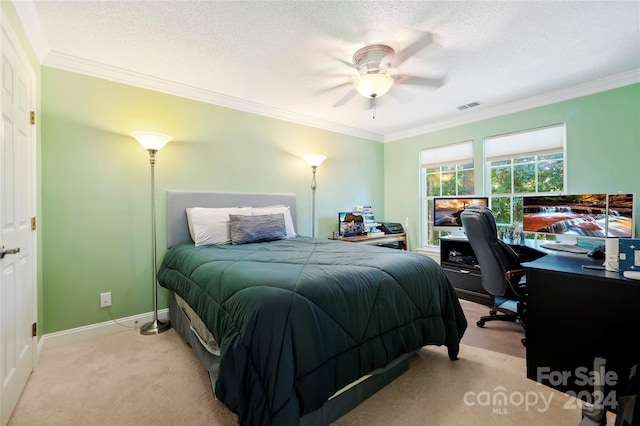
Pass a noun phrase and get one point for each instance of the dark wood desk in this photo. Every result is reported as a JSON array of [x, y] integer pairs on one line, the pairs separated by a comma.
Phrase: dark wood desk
[[458, 261], [574, 315], [461, 267]]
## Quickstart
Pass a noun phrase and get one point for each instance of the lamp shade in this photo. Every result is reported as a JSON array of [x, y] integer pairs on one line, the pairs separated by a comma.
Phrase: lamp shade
[[151, 140], [373, 85], [314, 160]]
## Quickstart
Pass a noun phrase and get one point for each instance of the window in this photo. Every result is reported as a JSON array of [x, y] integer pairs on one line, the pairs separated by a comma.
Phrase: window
[[520, 164], [445, 171]]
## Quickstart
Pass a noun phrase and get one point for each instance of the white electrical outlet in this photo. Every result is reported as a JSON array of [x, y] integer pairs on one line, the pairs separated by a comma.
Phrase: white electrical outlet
[[105, 299]]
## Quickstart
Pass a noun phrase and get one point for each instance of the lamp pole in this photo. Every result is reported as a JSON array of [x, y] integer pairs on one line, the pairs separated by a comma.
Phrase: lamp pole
[[155, 326], [313, 202], [314, 160], [153, 142]]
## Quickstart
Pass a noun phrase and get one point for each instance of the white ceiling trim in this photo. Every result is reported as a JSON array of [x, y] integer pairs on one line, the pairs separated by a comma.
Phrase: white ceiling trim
[[82, 66], [35, 32], [120, 75], [590, 88], [33, 27]]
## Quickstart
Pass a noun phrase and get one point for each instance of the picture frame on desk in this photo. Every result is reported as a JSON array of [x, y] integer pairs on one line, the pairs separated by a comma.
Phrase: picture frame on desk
[[628, 254]]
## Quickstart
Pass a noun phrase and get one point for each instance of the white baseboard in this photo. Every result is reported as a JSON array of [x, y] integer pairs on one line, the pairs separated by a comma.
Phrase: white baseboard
[[87, 332]]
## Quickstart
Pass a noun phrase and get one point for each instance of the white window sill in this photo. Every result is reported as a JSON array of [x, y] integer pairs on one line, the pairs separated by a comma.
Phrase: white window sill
[[430, 251]]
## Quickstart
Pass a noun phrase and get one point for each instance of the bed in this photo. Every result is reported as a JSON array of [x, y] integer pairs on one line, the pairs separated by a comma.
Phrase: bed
[[298, 330]]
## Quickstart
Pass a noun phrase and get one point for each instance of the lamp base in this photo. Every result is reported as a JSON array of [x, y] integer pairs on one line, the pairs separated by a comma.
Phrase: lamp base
[[155, 327]]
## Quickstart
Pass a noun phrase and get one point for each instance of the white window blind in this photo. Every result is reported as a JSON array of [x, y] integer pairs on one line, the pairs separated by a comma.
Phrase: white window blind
[[445, 155], [531, 142]]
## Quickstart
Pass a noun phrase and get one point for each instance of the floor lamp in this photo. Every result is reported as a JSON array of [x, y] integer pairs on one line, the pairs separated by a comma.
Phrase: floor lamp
[[314, 160], [153, 142]]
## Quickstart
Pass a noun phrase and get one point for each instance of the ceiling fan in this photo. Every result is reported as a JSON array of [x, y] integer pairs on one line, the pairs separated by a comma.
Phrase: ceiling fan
[[373, 63]]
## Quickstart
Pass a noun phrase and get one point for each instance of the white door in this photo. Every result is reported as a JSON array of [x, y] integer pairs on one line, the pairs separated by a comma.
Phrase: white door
[[17, 207]]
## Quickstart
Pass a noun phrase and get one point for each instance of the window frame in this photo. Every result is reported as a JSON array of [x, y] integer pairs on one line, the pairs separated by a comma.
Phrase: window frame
[[534, 153], [445, 157], [531, 146]]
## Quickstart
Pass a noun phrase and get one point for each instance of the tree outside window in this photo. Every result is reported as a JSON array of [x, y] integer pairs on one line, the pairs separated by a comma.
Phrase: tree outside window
[[516, 165], [522, 164]]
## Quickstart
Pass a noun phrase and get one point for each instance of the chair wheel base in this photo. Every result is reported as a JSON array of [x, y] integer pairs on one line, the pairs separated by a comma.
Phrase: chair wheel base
[[480, 324]]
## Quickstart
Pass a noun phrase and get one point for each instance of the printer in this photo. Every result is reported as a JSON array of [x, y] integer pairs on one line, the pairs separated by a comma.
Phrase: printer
[[391, 228]]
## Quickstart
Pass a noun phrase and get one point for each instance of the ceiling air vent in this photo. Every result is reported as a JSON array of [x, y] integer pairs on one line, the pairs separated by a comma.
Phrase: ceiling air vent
[[466, 106]]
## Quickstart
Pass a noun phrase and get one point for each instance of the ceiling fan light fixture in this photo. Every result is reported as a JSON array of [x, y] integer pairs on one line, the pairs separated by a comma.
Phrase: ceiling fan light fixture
[[373, 85]]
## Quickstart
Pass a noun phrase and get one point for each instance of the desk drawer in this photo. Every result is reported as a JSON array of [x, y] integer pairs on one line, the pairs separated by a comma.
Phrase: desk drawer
[[467, 283]]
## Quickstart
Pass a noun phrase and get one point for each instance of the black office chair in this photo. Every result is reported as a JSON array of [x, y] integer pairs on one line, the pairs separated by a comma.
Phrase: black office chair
[[502, 275]]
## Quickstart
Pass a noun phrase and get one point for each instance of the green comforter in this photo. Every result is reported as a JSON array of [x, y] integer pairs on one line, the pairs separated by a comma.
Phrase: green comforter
[[299, 319]]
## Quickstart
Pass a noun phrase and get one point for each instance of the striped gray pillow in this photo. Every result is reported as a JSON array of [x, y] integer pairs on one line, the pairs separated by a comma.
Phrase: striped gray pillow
[[255, 229]]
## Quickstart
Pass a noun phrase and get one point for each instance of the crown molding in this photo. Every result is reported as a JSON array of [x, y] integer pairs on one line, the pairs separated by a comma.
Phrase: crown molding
[[120, 75], [82, 66], [32, 24], [33, 27], [585, 89]]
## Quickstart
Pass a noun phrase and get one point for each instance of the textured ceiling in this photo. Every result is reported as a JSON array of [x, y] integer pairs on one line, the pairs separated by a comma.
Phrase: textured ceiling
[[292, 59]]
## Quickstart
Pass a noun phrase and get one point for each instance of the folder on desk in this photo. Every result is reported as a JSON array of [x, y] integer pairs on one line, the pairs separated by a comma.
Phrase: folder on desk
[[628, 254]]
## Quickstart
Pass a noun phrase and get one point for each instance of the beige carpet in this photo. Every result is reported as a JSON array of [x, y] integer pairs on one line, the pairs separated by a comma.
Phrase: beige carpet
[[129, 379]]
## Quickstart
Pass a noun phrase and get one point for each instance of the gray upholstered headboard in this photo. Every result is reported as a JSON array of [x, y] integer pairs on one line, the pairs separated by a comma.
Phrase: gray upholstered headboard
[[178, 201]]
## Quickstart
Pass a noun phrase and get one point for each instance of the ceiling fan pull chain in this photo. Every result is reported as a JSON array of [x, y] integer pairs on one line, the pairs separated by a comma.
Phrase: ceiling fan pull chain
[[373, 107]]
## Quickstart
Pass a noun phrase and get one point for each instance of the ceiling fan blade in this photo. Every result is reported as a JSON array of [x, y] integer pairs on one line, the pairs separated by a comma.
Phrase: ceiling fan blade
[[418, 81], [344, 99], [334, 87], [341, 62], [425, 40], [340, 75], [347, 63]]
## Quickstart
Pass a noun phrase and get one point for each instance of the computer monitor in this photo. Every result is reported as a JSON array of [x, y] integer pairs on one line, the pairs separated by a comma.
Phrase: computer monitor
[[446, 212], [351, 224], [583, 215], [620, 216]]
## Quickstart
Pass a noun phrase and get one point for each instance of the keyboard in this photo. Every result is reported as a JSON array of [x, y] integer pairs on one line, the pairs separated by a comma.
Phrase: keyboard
[[571, 248]]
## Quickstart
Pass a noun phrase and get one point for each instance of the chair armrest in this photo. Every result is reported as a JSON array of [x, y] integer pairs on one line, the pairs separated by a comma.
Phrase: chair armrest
[[513, 277]]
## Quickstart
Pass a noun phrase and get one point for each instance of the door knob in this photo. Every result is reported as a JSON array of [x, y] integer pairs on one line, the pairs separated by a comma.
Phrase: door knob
[[3, 252]]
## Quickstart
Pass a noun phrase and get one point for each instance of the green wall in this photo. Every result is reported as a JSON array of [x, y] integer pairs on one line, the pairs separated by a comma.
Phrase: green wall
[[603, 149], [96, 199], [95, 177], [93, 196]]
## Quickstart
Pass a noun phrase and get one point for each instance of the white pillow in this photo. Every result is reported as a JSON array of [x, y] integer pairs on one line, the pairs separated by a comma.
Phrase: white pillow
[[190, 223], [288, 221], [210, 226]]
